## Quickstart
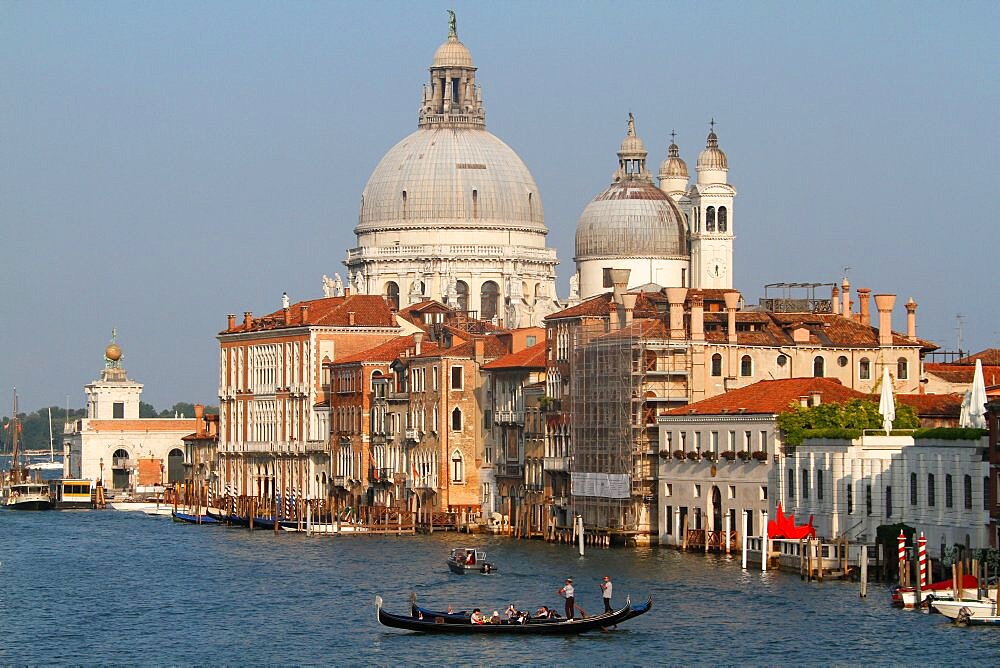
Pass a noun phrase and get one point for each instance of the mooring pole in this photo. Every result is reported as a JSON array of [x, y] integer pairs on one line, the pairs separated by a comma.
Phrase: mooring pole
[[579, 533], [746, 522]]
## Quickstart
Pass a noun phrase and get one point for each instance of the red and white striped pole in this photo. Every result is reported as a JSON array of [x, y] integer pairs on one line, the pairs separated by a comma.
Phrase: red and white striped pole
[[901, 541], [922, 556]]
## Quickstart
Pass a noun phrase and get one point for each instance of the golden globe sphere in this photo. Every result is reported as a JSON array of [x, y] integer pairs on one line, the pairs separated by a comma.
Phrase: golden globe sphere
[[113, 352]]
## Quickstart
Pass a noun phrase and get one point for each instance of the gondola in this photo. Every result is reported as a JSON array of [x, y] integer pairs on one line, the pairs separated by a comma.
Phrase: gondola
[[441, 624], [188, 518], [462, 616]]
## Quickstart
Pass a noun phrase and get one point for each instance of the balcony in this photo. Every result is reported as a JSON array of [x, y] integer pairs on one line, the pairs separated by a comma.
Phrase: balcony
[[423, 482], [382, 477], [512, 470], [509, 417], [413, 434], [555, 463], [340, 481], [273, 448]]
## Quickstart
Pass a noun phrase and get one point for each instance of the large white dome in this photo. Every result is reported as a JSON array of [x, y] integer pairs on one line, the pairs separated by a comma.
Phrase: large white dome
[[451, 178]]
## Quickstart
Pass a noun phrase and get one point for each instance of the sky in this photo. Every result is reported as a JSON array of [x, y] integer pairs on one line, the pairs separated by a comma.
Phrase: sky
[[165, 164]]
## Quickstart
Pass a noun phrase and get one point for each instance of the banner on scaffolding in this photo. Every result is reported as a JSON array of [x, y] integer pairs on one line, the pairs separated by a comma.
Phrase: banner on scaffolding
[[605, 485]]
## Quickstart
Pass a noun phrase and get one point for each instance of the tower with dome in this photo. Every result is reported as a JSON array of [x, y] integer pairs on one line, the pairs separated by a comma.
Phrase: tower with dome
[[452, 213]]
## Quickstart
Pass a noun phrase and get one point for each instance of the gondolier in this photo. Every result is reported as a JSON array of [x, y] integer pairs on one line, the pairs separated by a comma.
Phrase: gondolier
[[568, 593], [606, 588]]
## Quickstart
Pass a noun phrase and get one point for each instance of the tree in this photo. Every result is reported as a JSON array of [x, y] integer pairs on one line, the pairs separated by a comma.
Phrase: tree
[[843, 420]]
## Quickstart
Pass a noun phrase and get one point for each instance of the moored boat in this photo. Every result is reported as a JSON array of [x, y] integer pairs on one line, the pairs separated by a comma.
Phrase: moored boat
[[188, 518], [27, 496], [70, 493], [907, 596], [441, 624], [464, 560], [969, 611]]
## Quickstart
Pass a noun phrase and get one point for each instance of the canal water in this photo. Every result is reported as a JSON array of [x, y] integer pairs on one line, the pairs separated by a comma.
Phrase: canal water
[[106, 587]]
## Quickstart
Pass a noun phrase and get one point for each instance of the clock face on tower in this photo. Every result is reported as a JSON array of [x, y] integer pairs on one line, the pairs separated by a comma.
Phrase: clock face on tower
[[716, 267]]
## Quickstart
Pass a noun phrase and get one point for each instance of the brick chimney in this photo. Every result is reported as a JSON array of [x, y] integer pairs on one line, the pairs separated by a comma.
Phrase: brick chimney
[[697, 318], [479, 349], [864, 295], [347, 292], [628, 301], [911, 319], [845, 295], [884, 304], [304, 313], [287, 315], [247, 319], [199, 419], [835, 300], [619, 279], [732, 301], [231, 321], [675, 297], [418, 337], [350, 318]]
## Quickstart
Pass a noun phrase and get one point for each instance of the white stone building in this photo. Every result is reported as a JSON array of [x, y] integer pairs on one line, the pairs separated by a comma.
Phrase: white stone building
[[852, 487], [451, 212]]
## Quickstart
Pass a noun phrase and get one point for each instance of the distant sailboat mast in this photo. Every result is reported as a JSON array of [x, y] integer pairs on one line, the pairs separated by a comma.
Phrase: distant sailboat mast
[[52, 453]]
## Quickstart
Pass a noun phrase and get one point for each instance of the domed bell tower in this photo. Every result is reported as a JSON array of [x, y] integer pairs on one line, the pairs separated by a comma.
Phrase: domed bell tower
[[711, 219]]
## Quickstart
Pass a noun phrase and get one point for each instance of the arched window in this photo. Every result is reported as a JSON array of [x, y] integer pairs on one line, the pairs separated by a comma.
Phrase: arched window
[[710, 219], [175, 465], [462, 288], [434, 419], [391, 292], [930, 490], [850, 498], [488, 300], [376, 376], [949, 497], [723, 219], [456, 419], [746, 366], [819, 484], [913, 489], [716, 364], [868, 499], [805, 484], [819, 366], [475, 204], [404, 204], [902, 369], [865, 369], [457, 467], [968, 492], [791, 484]]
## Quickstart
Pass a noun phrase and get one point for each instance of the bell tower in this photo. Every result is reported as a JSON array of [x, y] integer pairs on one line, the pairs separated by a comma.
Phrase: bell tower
[[711, 219]]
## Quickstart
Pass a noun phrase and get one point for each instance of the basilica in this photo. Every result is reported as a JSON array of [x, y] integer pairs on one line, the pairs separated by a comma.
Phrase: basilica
[[451, 213]]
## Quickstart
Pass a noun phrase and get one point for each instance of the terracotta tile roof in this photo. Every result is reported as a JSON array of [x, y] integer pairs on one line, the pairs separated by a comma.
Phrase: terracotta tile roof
[[368, 310], [600, 305], [953, 373], [183, 425], [492, 349], [990, 357], [933, 405], [388, 351], [532, 357], [770, 397]]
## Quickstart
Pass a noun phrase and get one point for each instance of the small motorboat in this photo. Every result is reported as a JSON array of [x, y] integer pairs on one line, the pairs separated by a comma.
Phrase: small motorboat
[[524, 626], [907, 596], [464, 560], [975, 611]]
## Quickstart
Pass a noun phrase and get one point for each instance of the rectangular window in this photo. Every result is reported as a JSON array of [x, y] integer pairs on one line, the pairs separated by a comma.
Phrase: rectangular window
[[930, 490], [669, 490], [118, 410], [683, 440], [669, 521], [697, 441], [747, 440], [456, 378], [434, 378], [888, 501], [913, 489], [763, 492], [949, 498], [763, 441], [530, 341], [697, 491], [968, 492], [805, 483], [732, 440], [732, 491], [791, 484], [714, 445], [819, 484]]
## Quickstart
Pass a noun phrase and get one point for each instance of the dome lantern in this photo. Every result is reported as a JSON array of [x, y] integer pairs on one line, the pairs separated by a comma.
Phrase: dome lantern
[[712, 162], [452, 98]]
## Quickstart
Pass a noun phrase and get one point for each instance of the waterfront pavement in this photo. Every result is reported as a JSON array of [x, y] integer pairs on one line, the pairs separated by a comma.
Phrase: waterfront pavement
[[106, 587]]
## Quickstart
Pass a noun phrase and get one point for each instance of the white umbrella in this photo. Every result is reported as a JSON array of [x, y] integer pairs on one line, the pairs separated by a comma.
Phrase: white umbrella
[[886, 402], [977, 398], [963, 416]]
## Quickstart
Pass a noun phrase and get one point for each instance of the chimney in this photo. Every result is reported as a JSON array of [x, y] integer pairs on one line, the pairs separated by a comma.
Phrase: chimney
[[675, 297], [479, 349], [287, 313], [884, 304], [864, 294], [347, 292], [231, 321], [619, 279], [628, 301], [613, 317], [350, 318], [911, 319], [845, 295], [304, 313], [835, 300], [199, 419], [697, 318], [418, 337], [732, 301], [247, 319]]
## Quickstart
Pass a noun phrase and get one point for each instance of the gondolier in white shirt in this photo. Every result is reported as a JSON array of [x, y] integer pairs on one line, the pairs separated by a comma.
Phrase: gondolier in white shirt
[[568, 593], [606, 589]]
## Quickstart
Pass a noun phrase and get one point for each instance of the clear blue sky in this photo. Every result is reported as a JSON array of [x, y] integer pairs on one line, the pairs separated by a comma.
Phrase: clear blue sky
[[167, 163]]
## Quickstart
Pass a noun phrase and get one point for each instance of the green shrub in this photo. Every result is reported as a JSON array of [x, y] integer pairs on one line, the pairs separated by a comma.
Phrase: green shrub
[[950, 433]]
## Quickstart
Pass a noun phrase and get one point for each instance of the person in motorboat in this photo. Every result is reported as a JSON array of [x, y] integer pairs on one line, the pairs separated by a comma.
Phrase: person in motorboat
[[495, 617], [544, 612], [510, 612], [477, 617]]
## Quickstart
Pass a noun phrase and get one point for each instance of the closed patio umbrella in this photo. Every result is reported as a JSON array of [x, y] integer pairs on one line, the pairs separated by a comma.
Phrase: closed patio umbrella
[[886, 402]]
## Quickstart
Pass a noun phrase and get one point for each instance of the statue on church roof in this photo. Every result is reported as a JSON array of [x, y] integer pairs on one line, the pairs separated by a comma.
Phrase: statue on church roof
[[452, 28]]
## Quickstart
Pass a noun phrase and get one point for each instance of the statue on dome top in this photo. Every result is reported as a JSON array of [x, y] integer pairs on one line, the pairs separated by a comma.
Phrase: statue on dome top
[[631, 125], [452, 28]]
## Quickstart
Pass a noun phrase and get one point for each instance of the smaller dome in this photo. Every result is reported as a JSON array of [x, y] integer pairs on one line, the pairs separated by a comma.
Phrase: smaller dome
[[712, 157], [673, 166], [452, 54], [113, 352], [633, 145]]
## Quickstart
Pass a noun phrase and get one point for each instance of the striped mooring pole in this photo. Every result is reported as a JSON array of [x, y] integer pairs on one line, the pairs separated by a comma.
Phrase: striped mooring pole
[[901, 541], [922, 556]]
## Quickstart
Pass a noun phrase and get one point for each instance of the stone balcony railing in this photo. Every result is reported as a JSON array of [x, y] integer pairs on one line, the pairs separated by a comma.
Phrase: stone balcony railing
[[422, 482], [555, 463], [458, 251], [277, 448]]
